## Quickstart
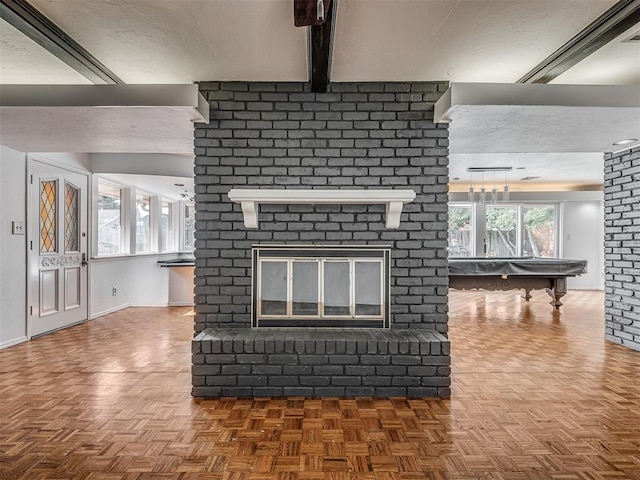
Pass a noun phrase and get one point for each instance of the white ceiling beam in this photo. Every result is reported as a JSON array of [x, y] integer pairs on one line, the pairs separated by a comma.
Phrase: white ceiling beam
[[519, 94]]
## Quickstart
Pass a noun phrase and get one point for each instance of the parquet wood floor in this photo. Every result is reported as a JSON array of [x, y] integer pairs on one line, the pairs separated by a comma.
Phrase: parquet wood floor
[[537, 394]]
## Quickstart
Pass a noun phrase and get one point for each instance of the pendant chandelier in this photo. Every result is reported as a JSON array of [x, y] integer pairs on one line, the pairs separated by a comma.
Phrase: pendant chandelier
[[495, 193]]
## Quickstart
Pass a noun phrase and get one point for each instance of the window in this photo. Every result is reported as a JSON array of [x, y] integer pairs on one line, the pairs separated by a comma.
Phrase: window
[[510, 230], [166, 245], [189, 227], [129, 221], [143, 221], [501, 231], [539, 235], [109, 219], [337, 286], [460, 231]]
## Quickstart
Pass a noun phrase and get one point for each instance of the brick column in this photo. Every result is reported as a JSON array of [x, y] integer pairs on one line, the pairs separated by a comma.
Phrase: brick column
[[278, 135], [622, 247]]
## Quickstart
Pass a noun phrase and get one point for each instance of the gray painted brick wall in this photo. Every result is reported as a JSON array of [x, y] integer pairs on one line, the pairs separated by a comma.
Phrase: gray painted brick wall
[[622, 247], [279, 135]]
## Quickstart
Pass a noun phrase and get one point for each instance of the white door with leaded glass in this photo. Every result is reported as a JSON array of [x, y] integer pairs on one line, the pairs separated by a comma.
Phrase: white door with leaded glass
[[58, 248]]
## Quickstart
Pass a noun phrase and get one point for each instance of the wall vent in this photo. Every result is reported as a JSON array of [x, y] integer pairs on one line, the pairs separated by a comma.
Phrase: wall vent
[[489, 169]]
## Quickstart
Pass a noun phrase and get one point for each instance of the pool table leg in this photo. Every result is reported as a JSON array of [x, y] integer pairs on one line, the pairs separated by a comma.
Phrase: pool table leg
[[526, 294], [558, 291]]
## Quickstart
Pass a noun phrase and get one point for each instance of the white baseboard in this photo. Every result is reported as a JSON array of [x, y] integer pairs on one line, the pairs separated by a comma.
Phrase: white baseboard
[[13, 342], [181, 304], [149, 306], [108, 311]]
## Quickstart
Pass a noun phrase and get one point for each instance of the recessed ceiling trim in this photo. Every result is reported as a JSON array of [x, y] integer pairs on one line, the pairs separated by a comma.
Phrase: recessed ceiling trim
[[28, 20], [608, 26]]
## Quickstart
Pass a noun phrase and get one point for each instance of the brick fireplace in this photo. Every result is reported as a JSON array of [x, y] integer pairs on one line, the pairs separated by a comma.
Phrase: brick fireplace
[[368, 136]]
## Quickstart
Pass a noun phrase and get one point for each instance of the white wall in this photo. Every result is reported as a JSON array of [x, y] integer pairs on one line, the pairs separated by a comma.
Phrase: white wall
[[140, 282], [583, 238], [13, 248]]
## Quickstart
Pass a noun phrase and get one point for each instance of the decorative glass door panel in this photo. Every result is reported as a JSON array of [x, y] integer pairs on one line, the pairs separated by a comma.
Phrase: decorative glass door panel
[[48, 216], [71, 219]]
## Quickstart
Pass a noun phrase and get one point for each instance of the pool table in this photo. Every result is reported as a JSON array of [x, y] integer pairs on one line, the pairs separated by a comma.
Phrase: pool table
[[526, 273]]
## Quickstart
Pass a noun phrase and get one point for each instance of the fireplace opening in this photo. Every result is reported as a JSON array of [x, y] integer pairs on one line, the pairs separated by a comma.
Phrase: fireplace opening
[[320, 286]]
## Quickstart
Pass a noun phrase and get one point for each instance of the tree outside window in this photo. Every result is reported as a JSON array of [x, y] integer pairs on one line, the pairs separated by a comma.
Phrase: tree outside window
[[501, 233], [539, 238]]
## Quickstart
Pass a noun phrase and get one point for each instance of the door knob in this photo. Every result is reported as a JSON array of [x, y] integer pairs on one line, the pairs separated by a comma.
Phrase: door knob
[[84, 260]]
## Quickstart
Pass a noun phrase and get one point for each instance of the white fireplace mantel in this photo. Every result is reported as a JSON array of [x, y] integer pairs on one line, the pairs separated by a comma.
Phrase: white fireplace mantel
[[250, 200]]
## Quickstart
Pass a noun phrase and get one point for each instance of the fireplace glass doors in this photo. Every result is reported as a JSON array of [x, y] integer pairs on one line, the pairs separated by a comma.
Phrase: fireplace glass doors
[[320, 286]]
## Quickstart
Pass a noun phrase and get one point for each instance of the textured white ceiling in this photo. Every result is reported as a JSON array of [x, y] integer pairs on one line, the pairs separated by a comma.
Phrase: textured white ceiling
[[24, 61], [184, 41], [463, 40], [617, 63]]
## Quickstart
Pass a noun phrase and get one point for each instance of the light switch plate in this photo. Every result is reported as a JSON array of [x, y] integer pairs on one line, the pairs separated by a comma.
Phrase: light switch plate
[[17, 228]]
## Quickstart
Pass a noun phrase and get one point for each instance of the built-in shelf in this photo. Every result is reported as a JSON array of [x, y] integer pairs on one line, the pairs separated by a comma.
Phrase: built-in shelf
[[250, 200]]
